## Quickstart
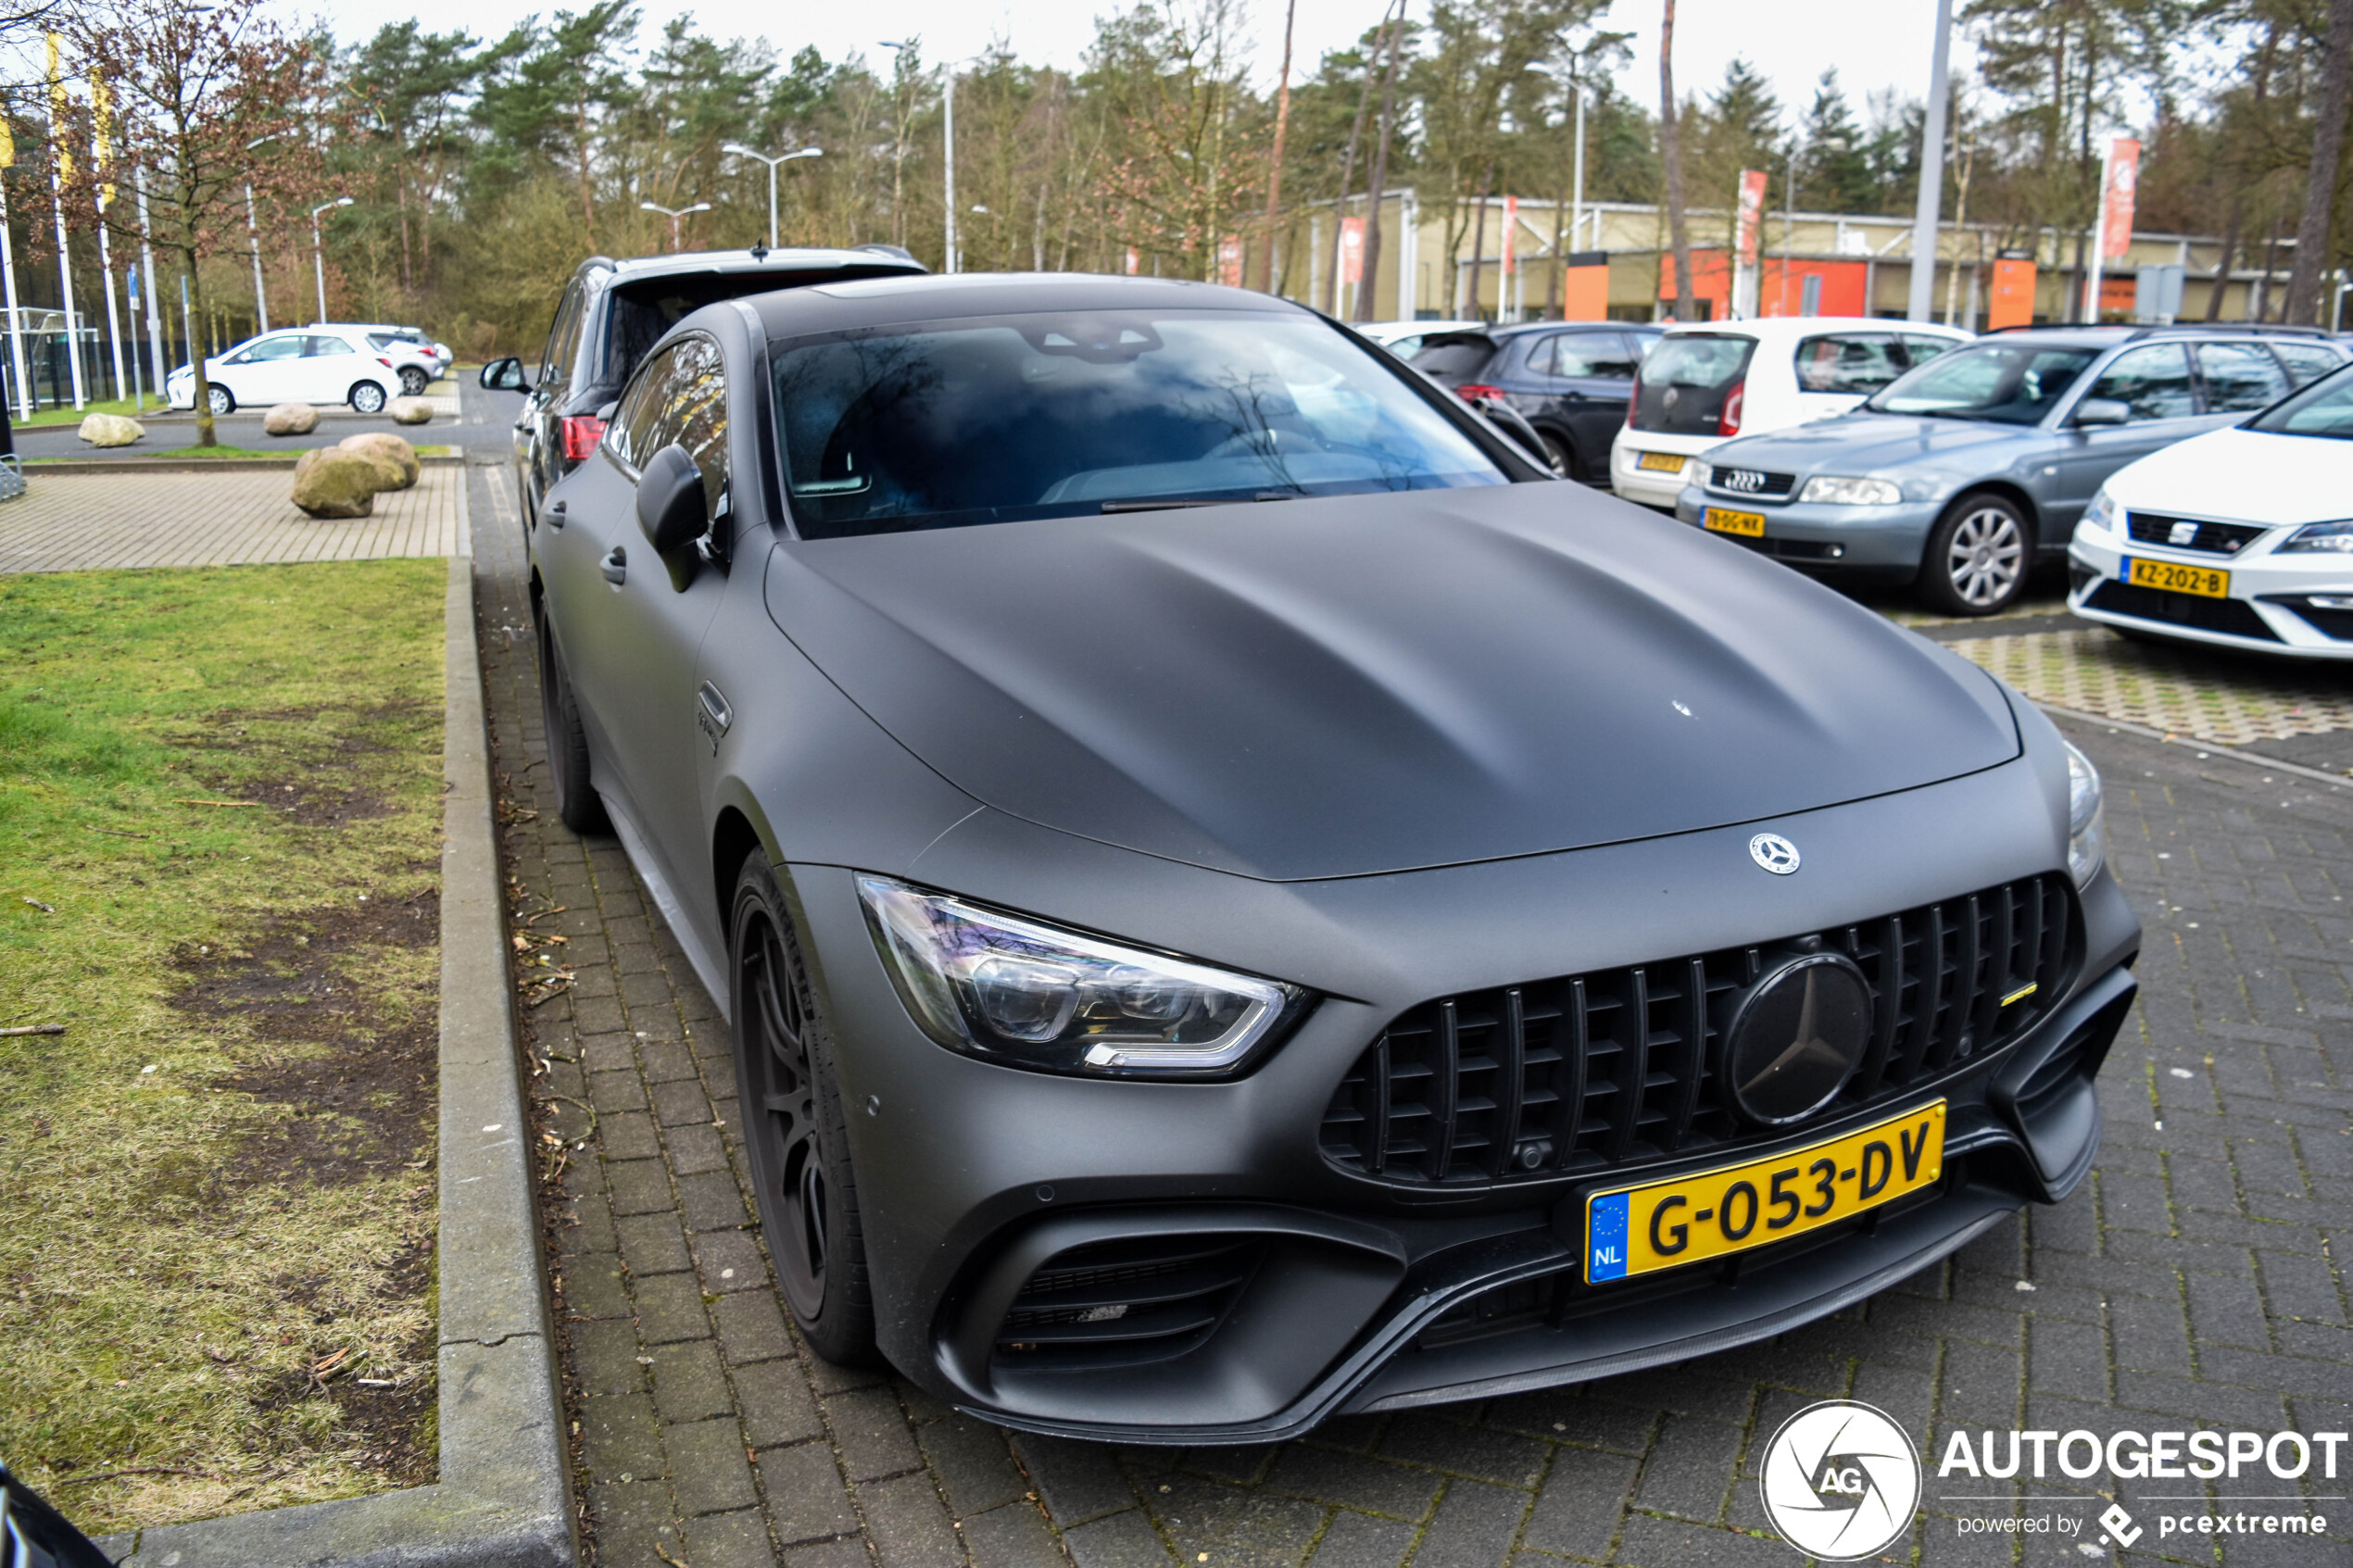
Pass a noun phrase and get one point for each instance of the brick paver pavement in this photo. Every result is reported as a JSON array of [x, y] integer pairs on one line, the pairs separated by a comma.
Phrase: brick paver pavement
[[73, 521], [2190, 1280]]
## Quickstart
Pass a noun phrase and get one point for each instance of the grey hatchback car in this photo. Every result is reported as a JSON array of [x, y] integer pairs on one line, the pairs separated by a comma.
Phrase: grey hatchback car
[[1961, 473]]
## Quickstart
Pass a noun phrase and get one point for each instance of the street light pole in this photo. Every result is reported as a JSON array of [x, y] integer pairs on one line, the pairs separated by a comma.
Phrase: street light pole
[[317, 254], [742, 151], [253, 235], [675, 215], [948, 99], [1921, 301]]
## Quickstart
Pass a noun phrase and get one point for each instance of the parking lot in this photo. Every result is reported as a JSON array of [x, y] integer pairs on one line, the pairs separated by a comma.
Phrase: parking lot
[[2192, 1279]]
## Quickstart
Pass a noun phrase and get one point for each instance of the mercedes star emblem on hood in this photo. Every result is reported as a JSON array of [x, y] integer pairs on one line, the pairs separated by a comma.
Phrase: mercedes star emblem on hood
[[1773, 852]]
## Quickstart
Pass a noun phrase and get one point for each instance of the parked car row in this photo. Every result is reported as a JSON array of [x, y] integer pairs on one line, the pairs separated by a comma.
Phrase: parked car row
[[363, 364]]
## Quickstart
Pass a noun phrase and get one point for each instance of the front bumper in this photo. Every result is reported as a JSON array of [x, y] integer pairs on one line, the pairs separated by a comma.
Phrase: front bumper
[[1865, 538], [2267, 611], [1355, 1295]]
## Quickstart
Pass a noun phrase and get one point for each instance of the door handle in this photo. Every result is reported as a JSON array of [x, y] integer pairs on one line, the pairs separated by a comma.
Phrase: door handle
[[712, 715], [554, 514], [615, 566]]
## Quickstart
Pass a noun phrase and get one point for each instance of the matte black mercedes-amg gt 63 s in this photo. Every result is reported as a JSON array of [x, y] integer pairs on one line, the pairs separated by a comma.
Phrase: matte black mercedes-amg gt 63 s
[[1240, 899]]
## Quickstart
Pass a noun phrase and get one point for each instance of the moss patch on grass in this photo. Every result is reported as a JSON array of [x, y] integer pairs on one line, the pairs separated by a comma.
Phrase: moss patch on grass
[[220, 824]]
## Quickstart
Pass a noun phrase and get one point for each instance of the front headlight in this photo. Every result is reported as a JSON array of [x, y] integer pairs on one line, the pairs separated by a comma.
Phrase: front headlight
[[2101, 513], [2316, 536], [2086, 833], [1010, 990], [1826, 490], [1699, 473]]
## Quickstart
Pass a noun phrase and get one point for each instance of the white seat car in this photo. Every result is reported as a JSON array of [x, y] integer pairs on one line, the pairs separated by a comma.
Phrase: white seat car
[[1707, 382], [298, 365], [2242, 538]]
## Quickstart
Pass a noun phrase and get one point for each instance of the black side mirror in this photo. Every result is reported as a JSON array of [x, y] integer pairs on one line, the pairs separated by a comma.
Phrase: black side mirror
[[504, 375], [671, 507], [2103, 411], [26, 1522]]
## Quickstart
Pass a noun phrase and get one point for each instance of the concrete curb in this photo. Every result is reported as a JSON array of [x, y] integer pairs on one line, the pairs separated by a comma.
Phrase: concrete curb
[[504, 1499], [163, 462]]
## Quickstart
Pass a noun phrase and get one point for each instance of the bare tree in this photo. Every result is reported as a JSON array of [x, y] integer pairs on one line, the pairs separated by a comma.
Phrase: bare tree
[[1282, 131], [211, 97], [2320, 190], [1670, 149], [1371, 272]]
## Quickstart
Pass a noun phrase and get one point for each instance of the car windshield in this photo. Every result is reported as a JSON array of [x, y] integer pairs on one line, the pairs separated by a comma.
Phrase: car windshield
[[2324, 409], [1012, 416], [2013, 383]]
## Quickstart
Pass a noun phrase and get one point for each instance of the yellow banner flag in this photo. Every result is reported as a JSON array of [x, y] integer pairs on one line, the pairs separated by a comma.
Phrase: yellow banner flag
[[102, 122], [57, 102], [8, 143]]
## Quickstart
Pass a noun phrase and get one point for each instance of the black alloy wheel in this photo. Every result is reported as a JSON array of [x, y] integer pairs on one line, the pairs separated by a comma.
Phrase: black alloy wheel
[[576, 800], [413, 381], [793, 1132]]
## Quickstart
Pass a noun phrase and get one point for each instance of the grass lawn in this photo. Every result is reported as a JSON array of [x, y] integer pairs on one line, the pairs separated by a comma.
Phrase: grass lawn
[[220, 826], [69, 415]]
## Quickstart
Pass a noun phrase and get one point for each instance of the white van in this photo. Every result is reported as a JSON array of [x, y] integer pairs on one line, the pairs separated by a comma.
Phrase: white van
[[1707, 382]]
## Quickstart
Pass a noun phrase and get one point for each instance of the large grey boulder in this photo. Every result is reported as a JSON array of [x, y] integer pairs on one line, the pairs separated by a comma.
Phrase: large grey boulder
[[383, 443], [331, 483], [290, 418], [410, 411], [110, 429]]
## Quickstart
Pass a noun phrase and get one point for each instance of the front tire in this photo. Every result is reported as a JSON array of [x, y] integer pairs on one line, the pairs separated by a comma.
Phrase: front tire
[[222, 403], [795, 1135], [576, 800], [413, 382], [1978, 557], [367, 397]]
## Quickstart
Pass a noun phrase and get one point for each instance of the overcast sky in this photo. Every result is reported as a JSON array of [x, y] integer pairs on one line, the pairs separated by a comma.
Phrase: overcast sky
[[1874, 43]]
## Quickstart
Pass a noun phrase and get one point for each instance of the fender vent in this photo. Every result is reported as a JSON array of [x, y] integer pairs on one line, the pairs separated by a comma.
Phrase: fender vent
[[1615, 1067], [1125, 1303]]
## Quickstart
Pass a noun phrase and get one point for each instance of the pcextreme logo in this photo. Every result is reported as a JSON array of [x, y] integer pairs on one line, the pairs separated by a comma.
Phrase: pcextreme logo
[[1841, 1480]]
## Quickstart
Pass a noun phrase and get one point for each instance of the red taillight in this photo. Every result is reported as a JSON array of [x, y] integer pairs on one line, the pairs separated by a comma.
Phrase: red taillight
[[1729, 421], [1472, 391], [582, 432], [385, 362], [1633, 401]]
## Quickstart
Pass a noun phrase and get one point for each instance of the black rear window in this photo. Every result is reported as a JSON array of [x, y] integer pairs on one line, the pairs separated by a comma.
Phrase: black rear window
[[1685, 380], [639, 311], [1453, 357]]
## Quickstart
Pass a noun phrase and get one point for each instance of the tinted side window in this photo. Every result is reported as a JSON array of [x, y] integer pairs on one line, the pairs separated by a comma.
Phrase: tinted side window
[[1920, 350], [1853, 364], [2153, 382], [1455, 354], [1587, 353], [563, 337], [696, 418], [635, 434], [2239, 377], [2305, 362]]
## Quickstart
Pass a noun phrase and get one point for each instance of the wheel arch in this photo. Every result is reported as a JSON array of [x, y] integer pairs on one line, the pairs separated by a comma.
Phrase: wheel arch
[[740, 828], [2007, 490]]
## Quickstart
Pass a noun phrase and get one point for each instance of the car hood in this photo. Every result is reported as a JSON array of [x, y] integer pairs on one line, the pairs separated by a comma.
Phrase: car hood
[[2245, 475], [1863, 443], [1358, 684]]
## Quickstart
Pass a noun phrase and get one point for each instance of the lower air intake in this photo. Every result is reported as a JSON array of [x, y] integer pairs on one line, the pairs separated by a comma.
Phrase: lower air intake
[[1125, 1303]]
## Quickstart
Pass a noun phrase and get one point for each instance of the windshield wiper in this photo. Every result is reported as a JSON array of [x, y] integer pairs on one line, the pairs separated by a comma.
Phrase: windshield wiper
[[1166, 503]]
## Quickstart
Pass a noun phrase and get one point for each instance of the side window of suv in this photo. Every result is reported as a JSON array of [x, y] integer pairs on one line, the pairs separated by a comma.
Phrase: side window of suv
[[2239, 377], [2306, 362], [563, 335], [2153, 382]]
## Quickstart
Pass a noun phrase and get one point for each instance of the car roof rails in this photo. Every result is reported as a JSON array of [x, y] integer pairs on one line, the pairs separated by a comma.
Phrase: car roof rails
[[2254, 329]]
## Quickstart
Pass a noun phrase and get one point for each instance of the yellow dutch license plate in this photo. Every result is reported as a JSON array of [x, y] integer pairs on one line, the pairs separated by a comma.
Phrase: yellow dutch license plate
[[1663, 1225], [1662, 462], [1726, 521], [2205, 582]]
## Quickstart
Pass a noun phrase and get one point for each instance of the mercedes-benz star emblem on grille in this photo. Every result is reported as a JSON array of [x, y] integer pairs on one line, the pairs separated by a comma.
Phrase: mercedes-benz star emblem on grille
[[1797, 1034], [1773, 852], [1742, 479]]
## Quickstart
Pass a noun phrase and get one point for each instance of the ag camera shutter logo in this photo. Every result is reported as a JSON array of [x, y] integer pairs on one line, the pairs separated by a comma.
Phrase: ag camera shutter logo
[[1841, 1481]]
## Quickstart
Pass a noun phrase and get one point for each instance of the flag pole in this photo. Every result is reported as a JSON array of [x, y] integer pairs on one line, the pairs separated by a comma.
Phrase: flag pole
[[60, 164], [8, 272]]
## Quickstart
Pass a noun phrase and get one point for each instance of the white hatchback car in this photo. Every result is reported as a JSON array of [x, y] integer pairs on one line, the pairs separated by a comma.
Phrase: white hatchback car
[[298, 365], [2239, 537], [1402, 338], [1707, 382]]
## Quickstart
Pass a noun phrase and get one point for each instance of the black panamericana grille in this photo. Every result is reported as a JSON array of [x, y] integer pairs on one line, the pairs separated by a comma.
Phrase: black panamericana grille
[[1751, 482], [2211, 538], [1125, 1303], [1590, 1070]]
